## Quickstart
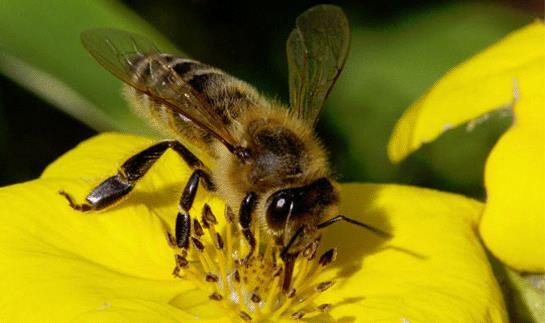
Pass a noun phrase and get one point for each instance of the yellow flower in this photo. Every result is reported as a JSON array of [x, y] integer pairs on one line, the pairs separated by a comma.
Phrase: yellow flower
[[60, 265], [508, 74]]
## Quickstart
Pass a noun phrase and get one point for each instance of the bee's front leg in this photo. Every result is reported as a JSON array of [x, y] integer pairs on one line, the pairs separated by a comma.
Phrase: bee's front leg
[[118, 186], [245, 219]]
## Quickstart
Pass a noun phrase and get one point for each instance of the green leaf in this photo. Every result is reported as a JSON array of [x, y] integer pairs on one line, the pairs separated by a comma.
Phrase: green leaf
[[41, 50], [388, 67], [524, 295]]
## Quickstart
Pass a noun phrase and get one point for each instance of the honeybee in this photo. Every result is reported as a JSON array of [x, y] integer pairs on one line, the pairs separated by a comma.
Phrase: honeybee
[[269, 166]]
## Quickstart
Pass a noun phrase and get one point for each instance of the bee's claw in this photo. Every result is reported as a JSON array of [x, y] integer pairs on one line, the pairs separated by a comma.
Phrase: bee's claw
[[78, 207]]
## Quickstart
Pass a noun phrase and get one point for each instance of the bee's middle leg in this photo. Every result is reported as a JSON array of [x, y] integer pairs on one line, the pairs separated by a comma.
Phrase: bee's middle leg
[[113, 189], [183, 219]]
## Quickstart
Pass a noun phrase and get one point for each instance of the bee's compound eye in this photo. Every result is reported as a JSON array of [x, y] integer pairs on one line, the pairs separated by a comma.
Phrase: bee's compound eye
[[280, 203], [278, 210]]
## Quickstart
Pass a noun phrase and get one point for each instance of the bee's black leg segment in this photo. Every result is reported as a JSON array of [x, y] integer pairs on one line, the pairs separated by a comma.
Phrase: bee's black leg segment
[[183, 220], [289, 262], [289, 259], [116, 187], [352, 221], [190, 159], [190, 190], [105, 194], [245, 219], [286, 248], [183, 229]]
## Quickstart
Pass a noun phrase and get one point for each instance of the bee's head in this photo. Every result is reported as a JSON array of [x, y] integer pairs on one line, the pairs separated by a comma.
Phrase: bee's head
[[300, 208]]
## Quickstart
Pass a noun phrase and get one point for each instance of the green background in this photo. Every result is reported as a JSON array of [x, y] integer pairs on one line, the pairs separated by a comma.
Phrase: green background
[[53, 95]]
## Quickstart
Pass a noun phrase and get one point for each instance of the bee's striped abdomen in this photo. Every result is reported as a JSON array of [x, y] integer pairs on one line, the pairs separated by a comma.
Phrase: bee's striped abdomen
[[169, 76]]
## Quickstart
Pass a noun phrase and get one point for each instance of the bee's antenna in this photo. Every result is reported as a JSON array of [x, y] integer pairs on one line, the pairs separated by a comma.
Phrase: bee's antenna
[[338, 218], [287, 247]]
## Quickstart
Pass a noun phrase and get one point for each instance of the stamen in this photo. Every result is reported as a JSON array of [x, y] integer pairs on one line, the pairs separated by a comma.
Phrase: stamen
[[323, 286], [255, 298], [171, 240], [328, 257], [254, 286], [197, 228], [211, 278], [181, 262], [229, 227], [197, 244], [245, 316], [208, 217], [215, 297], [298, 315]]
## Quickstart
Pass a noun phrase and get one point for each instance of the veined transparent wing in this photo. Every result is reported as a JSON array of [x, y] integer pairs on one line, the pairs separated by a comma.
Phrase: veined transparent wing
[[136, 61], [317, 49]]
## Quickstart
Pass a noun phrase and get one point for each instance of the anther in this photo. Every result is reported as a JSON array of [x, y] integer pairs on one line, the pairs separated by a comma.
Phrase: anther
[[291, 293], [236, 276], [208, 217], [215, 296], [198, 244], [323, 286], [229, 215], [310, 250], [277, 271], [197, 228], [171, 240], [211, 278], [181, 261], [298, 315], [245, 316], [218, 242], [176, 272], [324, 307], [255, 298], [328, 257]]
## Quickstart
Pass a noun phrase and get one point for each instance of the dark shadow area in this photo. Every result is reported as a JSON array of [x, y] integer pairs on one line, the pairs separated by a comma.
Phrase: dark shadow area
[[354, 242], [32, 133], [516, 307]]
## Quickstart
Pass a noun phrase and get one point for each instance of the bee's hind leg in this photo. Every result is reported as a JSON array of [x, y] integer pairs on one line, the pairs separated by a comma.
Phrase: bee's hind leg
[[118, 186]]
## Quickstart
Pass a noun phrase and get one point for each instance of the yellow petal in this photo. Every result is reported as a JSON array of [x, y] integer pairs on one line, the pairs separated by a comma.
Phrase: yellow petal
[[513, 223], [483, 83], [61, 265], [94, 160], [433, 269], [58, 264]]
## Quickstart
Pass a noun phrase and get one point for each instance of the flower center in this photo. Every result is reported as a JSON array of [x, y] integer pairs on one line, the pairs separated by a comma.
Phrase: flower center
[[258, 286]]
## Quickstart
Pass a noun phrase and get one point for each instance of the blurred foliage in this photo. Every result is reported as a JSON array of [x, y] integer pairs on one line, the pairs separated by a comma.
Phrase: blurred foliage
[[392, 65], [398, 50], [524, 295], [40, 49]]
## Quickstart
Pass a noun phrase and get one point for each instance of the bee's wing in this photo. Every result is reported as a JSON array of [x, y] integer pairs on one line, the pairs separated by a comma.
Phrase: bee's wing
[[317, 49], [136, 61]]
